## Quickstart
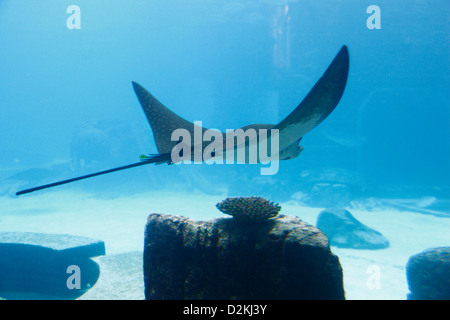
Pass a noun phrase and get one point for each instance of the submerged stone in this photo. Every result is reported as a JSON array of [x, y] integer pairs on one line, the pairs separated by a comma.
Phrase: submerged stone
[[428, 274], [345, 231]]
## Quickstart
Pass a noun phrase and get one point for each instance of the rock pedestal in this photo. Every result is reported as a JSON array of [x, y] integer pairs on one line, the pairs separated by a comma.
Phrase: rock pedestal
[[280, 258]]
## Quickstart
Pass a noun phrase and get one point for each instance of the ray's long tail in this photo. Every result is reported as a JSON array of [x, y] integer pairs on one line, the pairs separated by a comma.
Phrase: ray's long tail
[[156, 159]]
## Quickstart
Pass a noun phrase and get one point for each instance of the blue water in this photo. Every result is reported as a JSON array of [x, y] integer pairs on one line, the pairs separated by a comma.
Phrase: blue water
[[227, 64], [67, 107]]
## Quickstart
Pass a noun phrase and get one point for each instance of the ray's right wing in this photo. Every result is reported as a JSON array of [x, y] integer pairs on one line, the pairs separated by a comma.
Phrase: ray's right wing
[[318, 103]]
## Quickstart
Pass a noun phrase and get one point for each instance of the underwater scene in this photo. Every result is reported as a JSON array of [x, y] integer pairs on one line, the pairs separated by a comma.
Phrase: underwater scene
[[148, 149]]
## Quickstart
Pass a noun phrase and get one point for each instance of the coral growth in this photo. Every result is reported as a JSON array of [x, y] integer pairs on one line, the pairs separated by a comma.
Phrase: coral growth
[[249, 208]]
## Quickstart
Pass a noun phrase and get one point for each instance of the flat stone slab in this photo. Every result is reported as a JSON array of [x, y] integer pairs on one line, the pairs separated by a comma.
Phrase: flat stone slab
[[64, 243], [40, 265]]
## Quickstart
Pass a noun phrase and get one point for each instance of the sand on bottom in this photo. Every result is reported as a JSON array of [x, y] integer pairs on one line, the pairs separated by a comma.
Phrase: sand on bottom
[[120, 222]]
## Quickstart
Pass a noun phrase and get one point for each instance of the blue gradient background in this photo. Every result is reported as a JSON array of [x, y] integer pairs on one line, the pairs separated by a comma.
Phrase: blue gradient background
[[214, 61]]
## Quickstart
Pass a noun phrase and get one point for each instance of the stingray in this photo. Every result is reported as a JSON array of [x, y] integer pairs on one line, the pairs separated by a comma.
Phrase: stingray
[[321, 100]]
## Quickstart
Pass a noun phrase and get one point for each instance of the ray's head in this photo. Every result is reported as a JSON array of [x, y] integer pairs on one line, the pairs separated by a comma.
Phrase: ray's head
[[292, 151]]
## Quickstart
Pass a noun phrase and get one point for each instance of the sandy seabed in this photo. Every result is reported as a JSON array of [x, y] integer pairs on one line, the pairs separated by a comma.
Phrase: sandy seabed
[[120, 222]]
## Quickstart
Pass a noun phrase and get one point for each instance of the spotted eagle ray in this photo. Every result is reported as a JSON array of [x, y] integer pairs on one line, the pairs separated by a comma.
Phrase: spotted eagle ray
[[321, 100]]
